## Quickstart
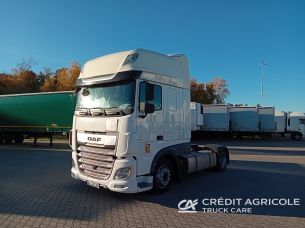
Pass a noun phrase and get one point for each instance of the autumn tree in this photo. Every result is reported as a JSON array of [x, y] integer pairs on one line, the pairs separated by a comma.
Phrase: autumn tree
[[21, 80], [198, 91], [212, 92], [24, 65], [220, 88], [6, 84], [42, 76], [24, 78], [49, 85], [25, 82], [63, 80]]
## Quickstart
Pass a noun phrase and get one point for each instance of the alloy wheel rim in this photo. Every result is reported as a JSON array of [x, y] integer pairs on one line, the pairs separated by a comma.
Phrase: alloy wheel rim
[[163, 176]]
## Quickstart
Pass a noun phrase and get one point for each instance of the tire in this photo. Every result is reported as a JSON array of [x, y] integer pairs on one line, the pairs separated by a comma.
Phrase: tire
[[19, 139], [222, 161], [8, 140], [163, 176], [297, 136]]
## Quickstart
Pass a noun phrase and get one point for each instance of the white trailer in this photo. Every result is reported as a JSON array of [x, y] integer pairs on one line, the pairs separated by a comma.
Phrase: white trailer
[[228, 120], [266, 119], [280, 122], [216, 118], [244, 119], [132, 124], [196, 116]]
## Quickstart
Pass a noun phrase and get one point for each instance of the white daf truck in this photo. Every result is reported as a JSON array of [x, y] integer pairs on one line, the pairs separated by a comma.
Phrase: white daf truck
[[132, 124], [291, 123]]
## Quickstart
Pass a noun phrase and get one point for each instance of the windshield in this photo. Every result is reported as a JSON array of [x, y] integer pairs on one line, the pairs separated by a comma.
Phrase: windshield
[[120, 95]]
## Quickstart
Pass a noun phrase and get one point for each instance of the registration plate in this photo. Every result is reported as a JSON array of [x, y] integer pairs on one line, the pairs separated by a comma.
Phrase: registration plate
[[93, 184]]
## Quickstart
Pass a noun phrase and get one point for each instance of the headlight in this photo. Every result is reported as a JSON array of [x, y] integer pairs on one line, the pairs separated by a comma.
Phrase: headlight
[[123, 173]]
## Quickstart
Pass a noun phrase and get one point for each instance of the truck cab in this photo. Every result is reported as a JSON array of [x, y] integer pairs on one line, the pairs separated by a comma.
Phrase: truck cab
[[292, 123], [131, 127], [296, 124]]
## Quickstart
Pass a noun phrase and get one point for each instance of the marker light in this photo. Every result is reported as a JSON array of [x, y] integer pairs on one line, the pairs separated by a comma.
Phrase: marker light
[[131, 58]]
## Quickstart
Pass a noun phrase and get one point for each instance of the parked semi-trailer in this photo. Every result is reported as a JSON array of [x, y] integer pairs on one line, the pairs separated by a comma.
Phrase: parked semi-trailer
[[216, 118], [132, 124], [35, 115], [228, 120]]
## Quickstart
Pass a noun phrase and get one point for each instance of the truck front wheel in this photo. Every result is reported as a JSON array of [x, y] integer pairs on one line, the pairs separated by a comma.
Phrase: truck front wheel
[[8, 140], [297, 136], [19, 139], [163, 176]]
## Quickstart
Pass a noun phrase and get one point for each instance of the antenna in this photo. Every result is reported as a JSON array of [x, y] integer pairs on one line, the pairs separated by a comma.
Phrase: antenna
[[263, 67]]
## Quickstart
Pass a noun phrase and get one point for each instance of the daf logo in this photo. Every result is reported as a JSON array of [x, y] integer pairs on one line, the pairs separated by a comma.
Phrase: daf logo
[[94, 139]]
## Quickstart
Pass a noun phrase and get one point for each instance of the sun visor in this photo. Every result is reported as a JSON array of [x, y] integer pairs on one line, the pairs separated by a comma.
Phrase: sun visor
[[106, 65]]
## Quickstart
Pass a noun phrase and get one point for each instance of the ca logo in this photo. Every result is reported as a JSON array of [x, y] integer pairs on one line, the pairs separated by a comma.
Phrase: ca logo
[[187, 205]]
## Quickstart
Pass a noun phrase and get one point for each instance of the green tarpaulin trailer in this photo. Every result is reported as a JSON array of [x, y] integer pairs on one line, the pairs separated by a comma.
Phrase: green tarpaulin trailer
[[35, 115]]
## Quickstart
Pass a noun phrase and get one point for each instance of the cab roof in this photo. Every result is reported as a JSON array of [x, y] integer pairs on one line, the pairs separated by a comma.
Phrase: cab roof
[[107, 67]]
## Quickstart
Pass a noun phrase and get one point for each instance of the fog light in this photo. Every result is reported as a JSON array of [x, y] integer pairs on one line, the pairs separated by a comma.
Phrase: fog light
[[120, 186], [123, 173]]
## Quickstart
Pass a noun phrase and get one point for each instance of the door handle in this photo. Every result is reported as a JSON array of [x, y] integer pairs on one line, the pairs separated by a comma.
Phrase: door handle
[[159, 137]]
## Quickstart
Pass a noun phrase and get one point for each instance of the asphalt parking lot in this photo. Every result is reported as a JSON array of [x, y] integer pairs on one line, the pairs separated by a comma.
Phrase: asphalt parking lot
[[36, 190]]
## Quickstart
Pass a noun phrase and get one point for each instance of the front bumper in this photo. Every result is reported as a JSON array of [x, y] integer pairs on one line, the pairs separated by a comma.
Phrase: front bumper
[[129, 185]]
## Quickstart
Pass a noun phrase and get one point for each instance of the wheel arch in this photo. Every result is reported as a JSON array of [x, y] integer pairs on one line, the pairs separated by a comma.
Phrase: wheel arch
[[173, 154]]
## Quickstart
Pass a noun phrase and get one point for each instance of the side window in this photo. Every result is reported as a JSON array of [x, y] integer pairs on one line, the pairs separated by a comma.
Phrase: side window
[[142, 100], [288, 122], [157, 101], [302, 121], [171, 99]]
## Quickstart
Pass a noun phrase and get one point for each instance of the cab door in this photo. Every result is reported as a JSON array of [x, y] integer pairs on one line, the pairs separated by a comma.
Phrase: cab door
[[302, 126], [150, 127]]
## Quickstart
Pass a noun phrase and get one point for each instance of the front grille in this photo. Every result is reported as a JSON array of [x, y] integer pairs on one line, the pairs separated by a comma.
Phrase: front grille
[[96, 162]]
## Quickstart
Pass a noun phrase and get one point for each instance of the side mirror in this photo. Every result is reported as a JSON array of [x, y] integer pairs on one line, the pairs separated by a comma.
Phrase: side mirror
[[149, 92], [76, 91], [149, 108]]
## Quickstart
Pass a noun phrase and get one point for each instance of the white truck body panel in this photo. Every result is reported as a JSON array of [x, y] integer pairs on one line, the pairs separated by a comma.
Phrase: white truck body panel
[[244, 119], [266, 119], [196, 116], [216, 117], [280, 121]]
